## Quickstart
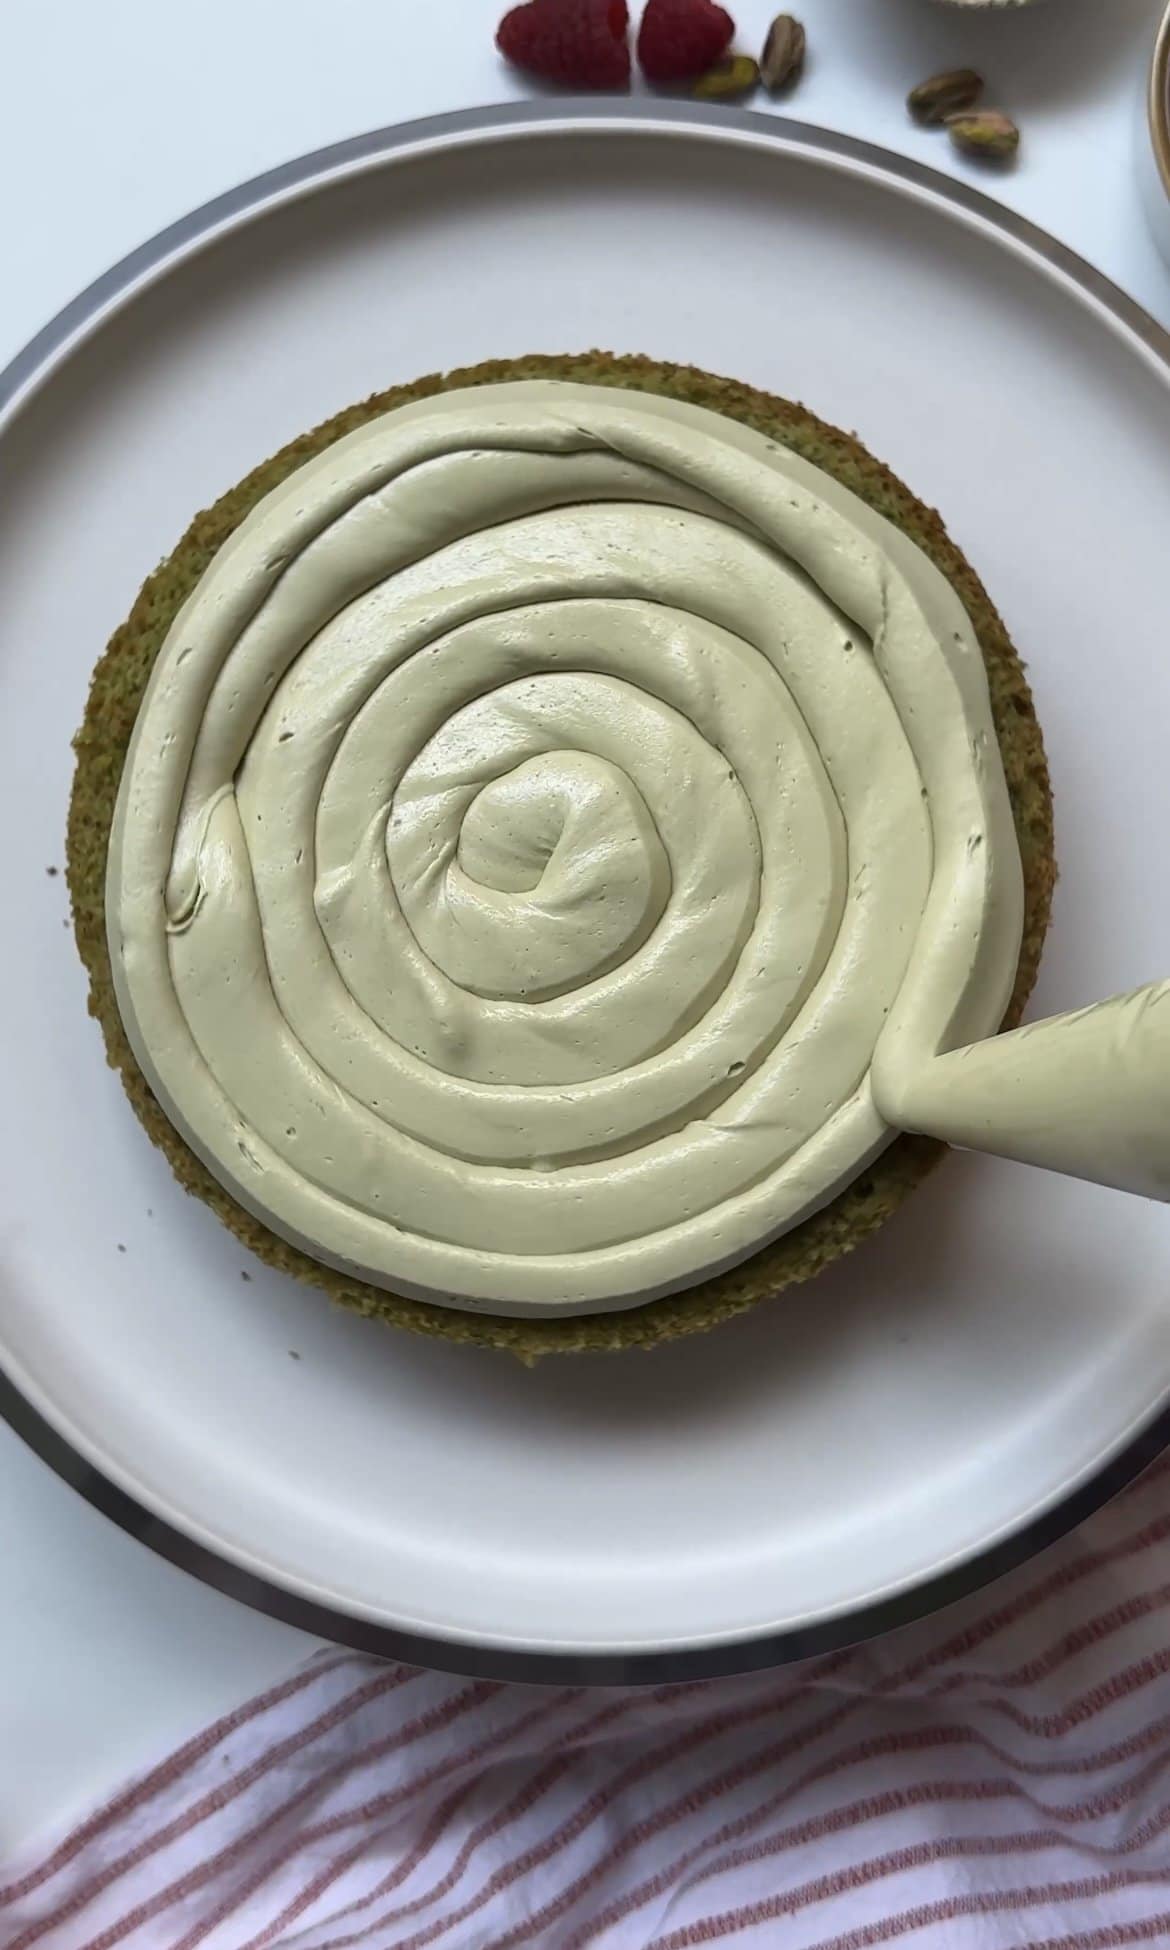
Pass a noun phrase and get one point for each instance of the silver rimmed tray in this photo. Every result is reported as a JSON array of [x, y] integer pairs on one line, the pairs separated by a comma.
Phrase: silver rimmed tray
[[961, 1390]]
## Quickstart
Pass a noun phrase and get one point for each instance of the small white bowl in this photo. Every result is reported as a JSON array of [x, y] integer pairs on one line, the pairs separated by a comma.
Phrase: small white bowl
[[1154, 140]]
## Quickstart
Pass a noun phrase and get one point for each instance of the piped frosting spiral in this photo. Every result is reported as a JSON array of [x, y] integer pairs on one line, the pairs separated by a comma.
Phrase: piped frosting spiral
[[543, 808]]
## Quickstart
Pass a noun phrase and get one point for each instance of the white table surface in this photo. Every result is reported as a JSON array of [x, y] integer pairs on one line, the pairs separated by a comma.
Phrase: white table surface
[[119, 118]]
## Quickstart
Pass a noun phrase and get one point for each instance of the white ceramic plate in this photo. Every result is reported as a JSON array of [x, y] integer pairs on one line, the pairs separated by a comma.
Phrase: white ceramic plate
[[926, 1413]]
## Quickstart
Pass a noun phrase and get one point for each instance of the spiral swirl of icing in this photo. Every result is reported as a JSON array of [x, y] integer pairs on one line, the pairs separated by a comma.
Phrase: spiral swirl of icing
[[542, 807]]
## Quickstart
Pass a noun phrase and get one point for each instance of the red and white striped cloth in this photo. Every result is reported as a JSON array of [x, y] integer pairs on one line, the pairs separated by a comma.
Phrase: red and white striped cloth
[[998, 1776]]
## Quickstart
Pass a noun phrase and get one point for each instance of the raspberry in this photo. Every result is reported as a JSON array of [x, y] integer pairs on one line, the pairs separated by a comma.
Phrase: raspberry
[[580, 43], [680, 39]]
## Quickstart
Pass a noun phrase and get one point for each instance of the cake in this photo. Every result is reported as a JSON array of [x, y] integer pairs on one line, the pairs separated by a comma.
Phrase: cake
[[508, 824]]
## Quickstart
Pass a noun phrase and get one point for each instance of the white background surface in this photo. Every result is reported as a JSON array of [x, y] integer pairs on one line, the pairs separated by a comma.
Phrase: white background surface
[[121, 118]]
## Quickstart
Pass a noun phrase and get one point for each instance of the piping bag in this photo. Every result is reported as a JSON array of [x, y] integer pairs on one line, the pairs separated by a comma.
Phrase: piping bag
[[1085, 1094]]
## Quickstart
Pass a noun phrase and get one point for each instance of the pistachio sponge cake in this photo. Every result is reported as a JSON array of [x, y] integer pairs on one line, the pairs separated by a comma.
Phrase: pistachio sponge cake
[[506, 823]]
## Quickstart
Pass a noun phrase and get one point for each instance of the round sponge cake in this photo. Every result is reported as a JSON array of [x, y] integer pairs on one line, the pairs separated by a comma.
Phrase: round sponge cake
[[102, 744]]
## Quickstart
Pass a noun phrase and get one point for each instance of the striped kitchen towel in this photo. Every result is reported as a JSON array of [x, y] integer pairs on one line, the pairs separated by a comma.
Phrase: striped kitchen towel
[[999, 1776]]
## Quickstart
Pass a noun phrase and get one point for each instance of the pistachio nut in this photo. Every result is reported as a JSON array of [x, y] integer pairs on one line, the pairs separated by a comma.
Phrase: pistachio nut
[[944, 94], [782, 60], [984, 132], [734, 75]]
